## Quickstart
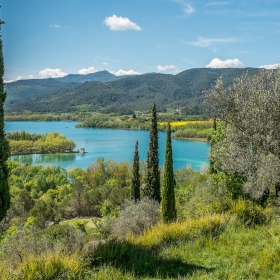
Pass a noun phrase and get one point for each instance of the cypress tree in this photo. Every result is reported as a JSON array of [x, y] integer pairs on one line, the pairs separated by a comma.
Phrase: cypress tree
[[135, 192], [152, 188], [4, 147], [168, 209]]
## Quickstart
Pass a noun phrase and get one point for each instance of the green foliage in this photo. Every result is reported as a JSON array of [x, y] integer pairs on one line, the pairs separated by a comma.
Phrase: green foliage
[[232, 183], [194, 130], [4, 147], [168, 210], [152, 187], [248, 146], [135, 193], [183, 92], [25, 143], [249, 213], [103, 225]]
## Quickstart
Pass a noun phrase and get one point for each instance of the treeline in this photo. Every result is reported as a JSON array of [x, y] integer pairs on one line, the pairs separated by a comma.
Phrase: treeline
[[136, 120], [26, 143], [198, 129], [29, 116]]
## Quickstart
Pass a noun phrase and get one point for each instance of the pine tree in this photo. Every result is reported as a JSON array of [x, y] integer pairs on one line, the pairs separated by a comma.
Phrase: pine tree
[[4, 147], [135, 192], [152, 188], [168, 209]]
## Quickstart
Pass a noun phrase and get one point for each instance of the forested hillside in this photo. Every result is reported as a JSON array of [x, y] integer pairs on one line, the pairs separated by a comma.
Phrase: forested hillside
[[183, 91]]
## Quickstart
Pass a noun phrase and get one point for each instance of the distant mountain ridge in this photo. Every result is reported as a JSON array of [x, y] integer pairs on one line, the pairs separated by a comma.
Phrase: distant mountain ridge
[[100, 76], [184, 91]]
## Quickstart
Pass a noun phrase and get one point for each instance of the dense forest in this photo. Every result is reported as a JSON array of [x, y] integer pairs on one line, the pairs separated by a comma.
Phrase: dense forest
[[184, 91]]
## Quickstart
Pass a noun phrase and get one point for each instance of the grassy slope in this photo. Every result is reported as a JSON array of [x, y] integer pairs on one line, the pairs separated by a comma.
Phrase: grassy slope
[[216, 246]]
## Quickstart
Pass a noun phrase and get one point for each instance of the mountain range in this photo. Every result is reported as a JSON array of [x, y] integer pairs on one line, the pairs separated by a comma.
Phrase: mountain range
[[107, 93]]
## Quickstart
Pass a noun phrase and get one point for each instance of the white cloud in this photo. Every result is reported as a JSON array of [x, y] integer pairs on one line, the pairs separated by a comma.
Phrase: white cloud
[[206, 42], [164, 68], [55, 25], [228, 63], [188, 9], [8, 81], [123, 72], [270, 66], [18, 78], [87, 70], [104, 63], [51, 73], [31, 77], [119, 23]]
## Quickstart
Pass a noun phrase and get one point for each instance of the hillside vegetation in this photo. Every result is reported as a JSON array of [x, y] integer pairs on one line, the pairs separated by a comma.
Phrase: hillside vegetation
[[184, 91]]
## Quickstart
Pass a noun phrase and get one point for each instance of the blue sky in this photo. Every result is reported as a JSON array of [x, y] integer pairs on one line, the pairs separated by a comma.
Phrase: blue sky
[[53, 38]]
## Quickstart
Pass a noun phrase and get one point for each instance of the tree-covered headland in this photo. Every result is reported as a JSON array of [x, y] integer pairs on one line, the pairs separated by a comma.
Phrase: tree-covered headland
[[25, 143]]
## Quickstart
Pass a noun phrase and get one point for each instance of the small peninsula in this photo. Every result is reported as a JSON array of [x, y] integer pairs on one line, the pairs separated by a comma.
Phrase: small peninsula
[[22, 143]]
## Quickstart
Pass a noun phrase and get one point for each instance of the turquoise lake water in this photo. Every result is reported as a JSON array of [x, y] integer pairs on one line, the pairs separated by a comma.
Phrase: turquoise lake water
[[110, 144]]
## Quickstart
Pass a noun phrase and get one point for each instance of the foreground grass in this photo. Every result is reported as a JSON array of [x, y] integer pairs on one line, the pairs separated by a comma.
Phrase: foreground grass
[[211, 247]]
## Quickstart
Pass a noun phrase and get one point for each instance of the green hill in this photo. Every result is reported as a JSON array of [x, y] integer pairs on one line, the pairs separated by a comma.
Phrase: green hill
[[183, 91]]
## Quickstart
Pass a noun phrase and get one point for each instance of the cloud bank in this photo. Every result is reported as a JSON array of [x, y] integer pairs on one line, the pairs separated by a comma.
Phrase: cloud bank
[[270, 66], [164, 68], [51, 73], [123, 72], [87, 70], [120, 24], [228, 63]]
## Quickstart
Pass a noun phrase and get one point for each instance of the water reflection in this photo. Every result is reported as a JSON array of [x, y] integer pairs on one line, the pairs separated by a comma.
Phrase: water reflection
[[46, 158]]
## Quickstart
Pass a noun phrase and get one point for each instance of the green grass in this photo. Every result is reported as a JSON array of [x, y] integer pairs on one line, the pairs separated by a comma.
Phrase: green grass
[[87, 222], [234, 251], [215, 246]]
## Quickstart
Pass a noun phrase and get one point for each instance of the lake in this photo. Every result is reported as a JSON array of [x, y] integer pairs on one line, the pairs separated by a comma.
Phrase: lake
[[110, 144]]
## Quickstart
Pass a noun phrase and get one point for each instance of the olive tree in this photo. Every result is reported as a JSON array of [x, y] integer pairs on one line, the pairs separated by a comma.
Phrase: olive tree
[[250, 142]]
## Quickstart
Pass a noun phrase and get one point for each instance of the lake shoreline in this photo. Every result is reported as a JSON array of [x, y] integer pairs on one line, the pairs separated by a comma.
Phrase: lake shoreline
[[110, 144], [191, 139]]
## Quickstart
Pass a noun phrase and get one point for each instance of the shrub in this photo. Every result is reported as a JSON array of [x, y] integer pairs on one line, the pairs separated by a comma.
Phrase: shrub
[[249, 213], [48, 266], [135, 217]]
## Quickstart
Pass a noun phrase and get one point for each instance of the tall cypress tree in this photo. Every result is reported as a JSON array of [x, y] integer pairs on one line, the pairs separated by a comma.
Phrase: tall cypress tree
[[135, 192], [152, 188], [4, 147], [168, 209]]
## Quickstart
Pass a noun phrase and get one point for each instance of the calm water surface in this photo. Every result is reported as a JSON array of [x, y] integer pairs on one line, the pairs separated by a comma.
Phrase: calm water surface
[[110, 144]]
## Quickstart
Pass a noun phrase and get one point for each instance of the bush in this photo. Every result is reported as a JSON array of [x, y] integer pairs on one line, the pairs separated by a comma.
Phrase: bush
[[18, 245], [135, 217], [250, 214], [49, 266]]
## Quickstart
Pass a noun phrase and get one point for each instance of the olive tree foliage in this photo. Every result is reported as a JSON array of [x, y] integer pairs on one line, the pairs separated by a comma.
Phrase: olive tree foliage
[[250, 143]]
